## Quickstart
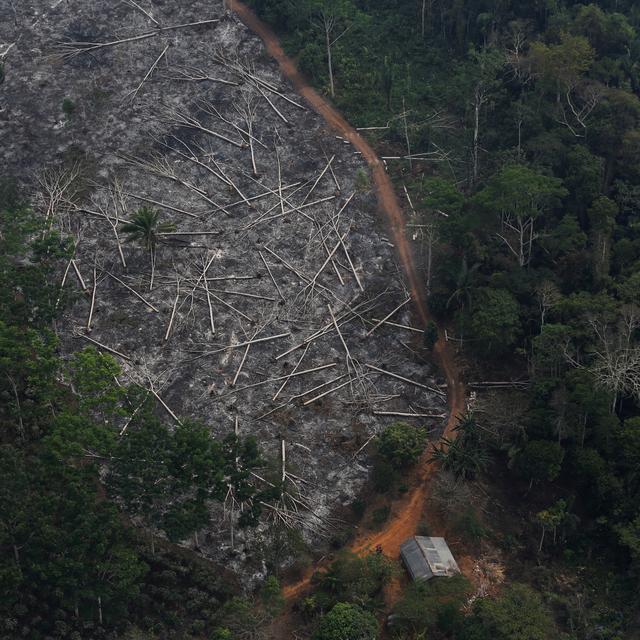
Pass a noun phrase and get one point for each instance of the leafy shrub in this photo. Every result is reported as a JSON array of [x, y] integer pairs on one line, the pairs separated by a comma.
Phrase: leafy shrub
[[430, 336], [383, 476], [68, 108], [271, 596], [354, 579], [358, 506], [381, 515], [401, 445], [426, 606], [362, 181], [519, 614], [347, 622], [540, 460]]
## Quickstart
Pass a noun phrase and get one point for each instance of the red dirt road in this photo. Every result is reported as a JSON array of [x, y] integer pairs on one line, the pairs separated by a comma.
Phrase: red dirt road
[[406, 513]]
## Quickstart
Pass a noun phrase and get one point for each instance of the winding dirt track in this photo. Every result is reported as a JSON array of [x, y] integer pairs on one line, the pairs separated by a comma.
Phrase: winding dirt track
[[407, 512]]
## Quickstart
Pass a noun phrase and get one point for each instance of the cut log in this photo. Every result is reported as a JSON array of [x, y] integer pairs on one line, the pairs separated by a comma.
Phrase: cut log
[[407, 380]]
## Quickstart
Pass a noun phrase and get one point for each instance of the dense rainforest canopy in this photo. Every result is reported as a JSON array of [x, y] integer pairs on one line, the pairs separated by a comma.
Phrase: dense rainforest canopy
[[513, 128]]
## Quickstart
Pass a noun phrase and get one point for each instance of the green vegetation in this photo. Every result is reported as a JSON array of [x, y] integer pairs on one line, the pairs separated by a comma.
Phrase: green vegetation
[[354, 579], [347, 622], [467, 455], [146, 229], [346, 597], [431, 606], [521, 120], [72, 565], [519, 614], [401, 445], [68, 108], [529, 115]]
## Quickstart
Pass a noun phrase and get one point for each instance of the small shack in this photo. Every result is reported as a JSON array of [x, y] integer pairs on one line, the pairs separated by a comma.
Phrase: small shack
[[427, 558]]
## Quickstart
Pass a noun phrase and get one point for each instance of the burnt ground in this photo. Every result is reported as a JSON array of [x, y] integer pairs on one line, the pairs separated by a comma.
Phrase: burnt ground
[[91, 151]]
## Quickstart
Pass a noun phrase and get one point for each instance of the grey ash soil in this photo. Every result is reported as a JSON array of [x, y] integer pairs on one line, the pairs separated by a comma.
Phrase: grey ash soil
[[107, 129]]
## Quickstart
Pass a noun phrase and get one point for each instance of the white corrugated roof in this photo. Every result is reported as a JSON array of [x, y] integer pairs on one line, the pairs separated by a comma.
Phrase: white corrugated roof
[[427, 557]]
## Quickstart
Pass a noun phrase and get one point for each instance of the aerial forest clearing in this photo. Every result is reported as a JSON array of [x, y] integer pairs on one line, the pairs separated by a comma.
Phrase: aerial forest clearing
[[231, 252]]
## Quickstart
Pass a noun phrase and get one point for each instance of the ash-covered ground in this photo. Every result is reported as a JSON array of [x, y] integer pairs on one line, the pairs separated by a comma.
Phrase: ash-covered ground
[[278, 263]]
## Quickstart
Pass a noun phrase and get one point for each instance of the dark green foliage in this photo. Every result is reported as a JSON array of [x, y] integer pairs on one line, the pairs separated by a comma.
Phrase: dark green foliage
[[92, 376], [401, 445], [347, 622], [168, 477], [495, 323], [68, 108], [429, 606], [237, 617], [271, 596], [430, 335], [32, 259], [60, 544], [384, 475], [519, 614], [381, 515], [540, 460], [28, 366], [145, 227], [353, 579], [467, 455], [358, 507]]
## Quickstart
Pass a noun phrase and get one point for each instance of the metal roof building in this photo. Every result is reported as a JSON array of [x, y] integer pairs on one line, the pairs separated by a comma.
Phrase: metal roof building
[[427, 558]]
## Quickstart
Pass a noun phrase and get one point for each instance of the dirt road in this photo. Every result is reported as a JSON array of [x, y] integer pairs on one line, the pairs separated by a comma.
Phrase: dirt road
[[406, 513]]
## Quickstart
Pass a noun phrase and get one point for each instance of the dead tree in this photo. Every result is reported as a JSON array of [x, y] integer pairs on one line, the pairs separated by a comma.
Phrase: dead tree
[[328, 19], [578, 104], [70, 49], [248, 112], [58, 192]]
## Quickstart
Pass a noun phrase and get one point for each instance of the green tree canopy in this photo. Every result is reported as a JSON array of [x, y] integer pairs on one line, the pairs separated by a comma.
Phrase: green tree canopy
[[347, 622], [495, 321], [516, 197], [401, 444], [519, 614], [540, 460]]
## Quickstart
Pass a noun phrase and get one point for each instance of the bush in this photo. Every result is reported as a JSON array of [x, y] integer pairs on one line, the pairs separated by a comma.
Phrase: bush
[[383, 476], [311, 61], [68, 108], [358, 506], [495, 321], [347, 622], [271, 596], [519, 614], [540, 460], [362, 181], [426, 606], [430, 336], [401, 444], [354, 579], [381, 515]]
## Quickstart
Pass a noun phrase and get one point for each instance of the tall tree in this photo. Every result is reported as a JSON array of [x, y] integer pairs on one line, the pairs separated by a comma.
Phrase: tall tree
[[486, 65], [602, 217], [520, 195], [561, 69], [333, 18]]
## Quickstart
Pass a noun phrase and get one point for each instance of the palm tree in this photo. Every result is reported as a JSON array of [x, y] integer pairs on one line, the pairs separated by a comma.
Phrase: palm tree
[[465, 281], [467, 455], [462, 294], [145, 228]]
